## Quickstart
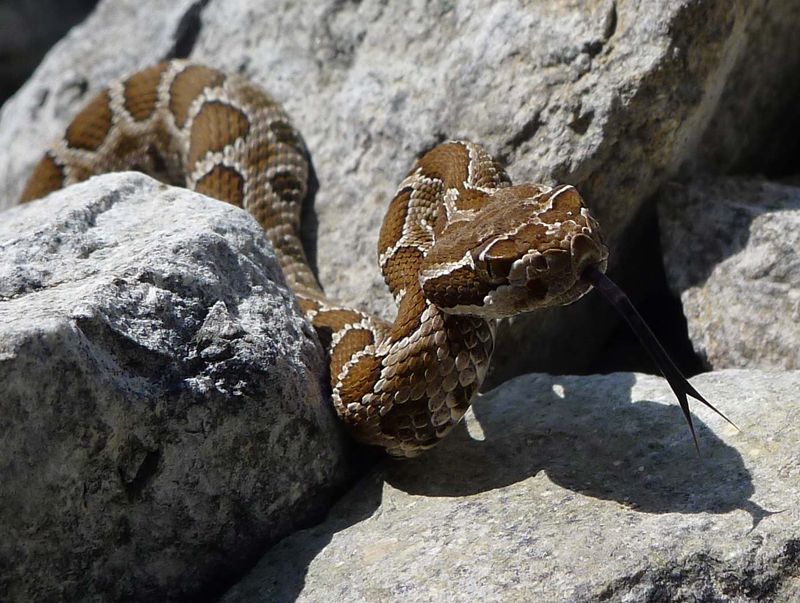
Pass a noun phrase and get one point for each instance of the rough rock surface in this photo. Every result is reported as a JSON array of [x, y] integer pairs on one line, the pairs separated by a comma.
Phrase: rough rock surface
[[571, 489], [746, 133], [610, 96], [162, 416], [731, 253]]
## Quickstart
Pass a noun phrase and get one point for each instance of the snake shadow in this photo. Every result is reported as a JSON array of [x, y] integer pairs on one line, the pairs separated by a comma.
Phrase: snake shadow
[[280, 575], [598, 443], [309, 221]]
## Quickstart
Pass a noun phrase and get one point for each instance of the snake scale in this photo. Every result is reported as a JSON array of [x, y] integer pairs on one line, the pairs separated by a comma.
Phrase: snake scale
[[460, 246]]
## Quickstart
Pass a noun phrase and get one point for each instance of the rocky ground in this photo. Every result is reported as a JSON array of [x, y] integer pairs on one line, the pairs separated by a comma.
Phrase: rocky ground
[[570, 489], [163, 420]]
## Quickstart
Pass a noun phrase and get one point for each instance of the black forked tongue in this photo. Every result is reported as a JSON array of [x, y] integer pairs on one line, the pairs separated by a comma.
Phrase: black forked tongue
[[680, 386]]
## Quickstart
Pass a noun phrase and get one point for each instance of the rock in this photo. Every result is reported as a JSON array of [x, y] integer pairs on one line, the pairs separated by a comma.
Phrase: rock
[[162, 415], [755, 124], [611, 96], [731, 253], [28, 30], [570, 489]]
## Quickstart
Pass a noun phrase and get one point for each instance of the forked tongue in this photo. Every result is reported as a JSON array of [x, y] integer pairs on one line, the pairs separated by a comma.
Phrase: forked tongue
[[680, 386]]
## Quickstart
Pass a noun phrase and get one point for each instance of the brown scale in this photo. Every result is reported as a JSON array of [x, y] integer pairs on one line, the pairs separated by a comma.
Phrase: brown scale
[[399, 271], [360, 381], [337, 318], [350, 343], [393, 222], [490, 174], [499, 257], [48, 176], [566, 206], [534, 236], [457, 288], [285, 186], [187, 86], [413, 420], [223, 183], [216, 126], [79, 173], [410, 423], [328, 322], [471, 199], [449, 162], [267, 157], [309, 305], [284, 133], [127, 151], [409, 314], [141, 92], [91, 126]]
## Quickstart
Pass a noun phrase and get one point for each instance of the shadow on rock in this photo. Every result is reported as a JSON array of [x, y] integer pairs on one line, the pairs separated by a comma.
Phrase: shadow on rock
[[587, 436], [281, 573]]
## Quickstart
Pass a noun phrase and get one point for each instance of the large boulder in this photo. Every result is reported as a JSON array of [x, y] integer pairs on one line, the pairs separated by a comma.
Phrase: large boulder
[[570, 489], [611, 96], [163, 418], [731, 251]]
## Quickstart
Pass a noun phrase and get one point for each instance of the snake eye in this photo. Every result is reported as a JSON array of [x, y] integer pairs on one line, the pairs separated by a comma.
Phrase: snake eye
[[498, 268], [498, 257]]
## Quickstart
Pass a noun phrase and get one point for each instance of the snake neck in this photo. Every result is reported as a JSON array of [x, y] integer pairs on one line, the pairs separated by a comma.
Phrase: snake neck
[[402, 385]]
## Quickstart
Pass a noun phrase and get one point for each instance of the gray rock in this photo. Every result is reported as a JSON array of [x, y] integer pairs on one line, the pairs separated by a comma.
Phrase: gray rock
[[162, 415], [610, 96], [570, 489], [754, 127], [731, 253]]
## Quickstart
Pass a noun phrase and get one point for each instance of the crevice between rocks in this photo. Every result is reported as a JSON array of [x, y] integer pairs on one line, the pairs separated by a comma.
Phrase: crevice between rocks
[[525, 134], [644, 278], [610, 28], [187, 31], [711, 580], [147, 470]]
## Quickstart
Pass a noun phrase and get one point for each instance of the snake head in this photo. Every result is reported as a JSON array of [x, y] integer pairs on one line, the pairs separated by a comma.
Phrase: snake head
[[525, 248]]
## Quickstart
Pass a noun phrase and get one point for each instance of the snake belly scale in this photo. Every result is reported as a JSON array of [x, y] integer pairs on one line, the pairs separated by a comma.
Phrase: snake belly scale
[[459, 248]]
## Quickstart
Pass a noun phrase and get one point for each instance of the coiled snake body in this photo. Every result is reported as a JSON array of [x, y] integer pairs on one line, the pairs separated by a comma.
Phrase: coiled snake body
[[459, 248]]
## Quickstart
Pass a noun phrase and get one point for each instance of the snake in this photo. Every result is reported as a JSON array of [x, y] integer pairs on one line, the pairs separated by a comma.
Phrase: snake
[[460, 247]]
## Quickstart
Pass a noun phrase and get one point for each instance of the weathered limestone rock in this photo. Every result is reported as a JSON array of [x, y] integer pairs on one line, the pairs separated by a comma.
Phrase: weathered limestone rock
[[610, 96], [732, 253], [747, 133], [162, 416], [571, 489]]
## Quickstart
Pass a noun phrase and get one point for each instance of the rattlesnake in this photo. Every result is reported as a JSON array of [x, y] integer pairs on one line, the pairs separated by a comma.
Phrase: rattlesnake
[[459, 248]]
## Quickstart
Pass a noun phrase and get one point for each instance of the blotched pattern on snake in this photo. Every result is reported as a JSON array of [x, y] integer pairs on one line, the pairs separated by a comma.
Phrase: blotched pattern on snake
[[460, 246]]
